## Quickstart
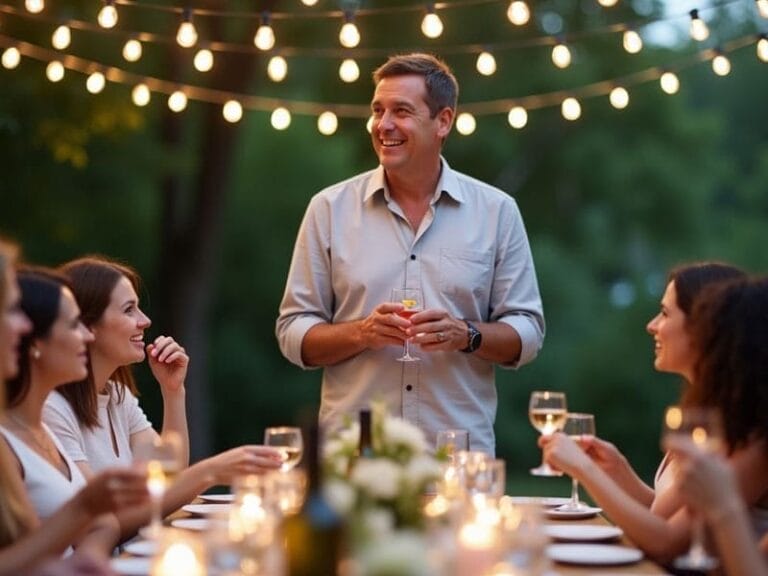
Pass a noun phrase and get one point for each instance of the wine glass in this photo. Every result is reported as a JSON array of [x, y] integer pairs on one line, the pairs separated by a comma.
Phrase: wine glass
[[452, 441], [413, 302], [704, 427], [577, 426], [288, 440], [162, 456], [547, 411]]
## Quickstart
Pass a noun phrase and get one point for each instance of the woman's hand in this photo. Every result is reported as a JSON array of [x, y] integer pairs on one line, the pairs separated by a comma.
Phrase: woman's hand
[[604, 454], [81, 563], [563, 453], [250, 459], [168, 361], [114, 489]]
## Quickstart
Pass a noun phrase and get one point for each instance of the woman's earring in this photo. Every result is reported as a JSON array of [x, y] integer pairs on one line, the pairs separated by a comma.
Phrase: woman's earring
[[35, 353]]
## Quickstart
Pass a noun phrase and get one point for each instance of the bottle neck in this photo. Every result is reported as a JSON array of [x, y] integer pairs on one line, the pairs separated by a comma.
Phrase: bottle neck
[[365, 447]]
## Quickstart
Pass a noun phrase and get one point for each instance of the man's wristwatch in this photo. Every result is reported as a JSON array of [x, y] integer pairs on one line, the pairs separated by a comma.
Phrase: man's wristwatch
[[474, 338]]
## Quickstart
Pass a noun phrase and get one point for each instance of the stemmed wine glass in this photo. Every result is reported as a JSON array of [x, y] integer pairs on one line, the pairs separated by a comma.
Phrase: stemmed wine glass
[[413, 302], [577, 426], [704, 427], [547, 411], [288, 440]]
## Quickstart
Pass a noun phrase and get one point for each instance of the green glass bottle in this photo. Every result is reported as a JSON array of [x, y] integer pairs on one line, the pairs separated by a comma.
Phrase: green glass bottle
[[365, 448]]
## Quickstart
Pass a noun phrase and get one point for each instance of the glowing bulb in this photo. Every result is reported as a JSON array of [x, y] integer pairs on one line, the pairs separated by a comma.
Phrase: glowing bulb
[[95, 83], [369, 124], [517, 117], [571, 109], [232, 111], [669, 82], [632, 42], [11, 58], [721, 65], [699, 29], [607, 3], [349, 71], [327, 123], [132, 50], [177, 101], [54, 71], [280, 119], [431, 25], [762, 49], [309, 2], [187, 34], [486, 64], [107, 16], [277, 69], [762, 8], [518, 13], [140, 94], [264, 38], [61, 37], [203, 61], [465, 124], [34, 6], [349, 36], [619, 98], [561, 56]]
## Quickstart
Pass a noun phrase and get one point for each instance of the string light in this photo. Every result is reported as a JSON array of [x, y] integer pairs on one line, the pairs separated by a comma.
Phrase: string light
[[431, 25], [517, 117], [309, 2], [187, 33], [561, 55], [11, 58], [280, 118], [669, 82], [349, 35], [95, 83], [141, 94], [203, 61], [264, 39], [486, 64], [177, 101], [619, 98], [465, 124], [720, 64], [607, 3], [107, 17], [62, 37], [762, 7], [518, 13], [349, 71], [571, 109], [762, 47], [34, 6], [632, 41], [54, 71], [699, 29], [232, 111], [132, 50], [277, 68], [327, 123]]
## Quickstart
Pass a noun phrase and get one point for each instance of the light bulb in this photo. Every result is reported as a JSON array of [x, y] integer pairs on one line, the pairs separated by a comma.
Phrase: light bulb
[[561, 56], [619, 98], [632, 42], [518, 13], [132, 50], [309, 2], [277, 69], [607, 3], [721, 65], [465, 124], [431, 25], [349, 71], [699, 29], [141, 94], [327, 123], [280, 118], [187, 33], [486, 64], [517, 117], [669, 82], [762, 49], [369, 124], [264, 38], [203, 61], [54, 71], [107, 16], [34, 6], [95, 83], [61, 37], [349, 35], [571, 109], [232, 111], [11, 58], [762, 8], [177, 101]]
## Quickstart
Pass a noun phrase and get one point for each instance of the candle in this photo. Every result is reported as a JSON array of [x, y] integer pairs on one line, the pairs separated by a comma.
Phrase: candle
[[178, 556]]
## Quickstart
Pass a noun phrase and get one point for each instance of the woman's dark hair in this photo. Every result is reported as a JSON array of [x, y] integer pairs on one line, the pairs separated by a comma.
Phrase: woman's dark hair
[[691, 279], [93, 279], [729, 332]]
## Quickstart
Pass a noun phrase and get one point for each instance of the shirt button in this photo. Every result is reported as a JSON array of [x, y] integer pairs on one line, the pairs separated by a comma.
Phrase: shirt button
[[409, 387], [413, 256]]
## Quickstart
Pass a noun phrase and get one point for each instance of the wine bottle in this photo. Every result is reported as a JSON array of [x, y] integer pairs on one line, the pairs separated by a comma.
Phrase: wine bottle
[[365, 448], [314, 537]]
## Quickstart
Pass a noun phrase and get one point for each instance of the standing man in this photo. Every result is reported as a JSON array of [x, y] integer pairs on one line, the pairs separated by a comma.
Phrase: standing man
[[412, 223]]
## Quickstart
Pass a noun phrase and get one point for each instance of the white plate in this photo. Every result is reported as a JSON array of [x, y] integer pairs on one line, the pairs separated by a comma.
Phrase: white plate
[[582, 532], [206, 509], [131, 566], [546, 501], [593, 554], [141, 547], [581, 513], [192, 523], [220, 498]]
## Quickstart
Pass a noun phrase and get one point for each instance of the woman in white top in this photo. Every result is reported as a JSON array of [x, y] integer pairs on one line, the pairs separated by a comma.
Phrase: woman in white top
[[98, 419]]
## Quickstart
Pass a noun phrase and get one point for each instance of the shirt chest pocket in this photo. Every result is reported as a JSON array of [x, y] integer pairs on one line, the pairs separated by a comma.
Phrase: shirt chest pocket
[[465, 278]]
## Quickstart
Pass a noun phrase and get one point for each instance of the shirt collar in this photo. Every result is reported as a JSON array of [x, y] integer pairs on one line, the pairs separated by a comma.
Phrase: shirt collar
[[447, 183]]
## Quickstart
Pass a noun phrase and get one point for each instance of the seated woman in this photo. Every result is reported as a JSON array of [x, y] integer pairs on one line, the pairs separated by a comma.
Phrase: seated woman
[[736, 386], [98, 419], [25, 541]]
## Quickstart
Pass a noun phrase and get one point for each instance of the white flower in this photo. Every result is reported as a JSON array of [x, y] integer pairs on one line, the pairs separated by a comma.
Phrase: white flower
[[398, 432], [403, 553], [350, 436], [340, 496], [378, 522], [422, 469], [379, 477]]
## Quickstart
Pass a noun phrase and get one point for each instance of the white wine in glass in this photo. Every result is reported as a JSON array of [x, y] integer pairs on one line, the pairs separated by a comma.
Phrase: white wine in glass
[[577, 426], [288, 440], [412, 302], [547, 411]]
